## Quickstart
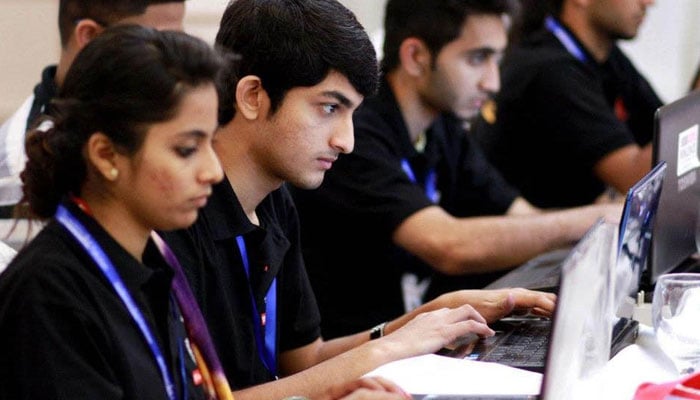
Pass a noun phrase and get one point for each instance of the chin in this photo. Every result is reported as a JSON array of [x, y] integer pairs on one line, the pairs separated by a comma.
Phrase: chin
[[180, 223], [308, 183]]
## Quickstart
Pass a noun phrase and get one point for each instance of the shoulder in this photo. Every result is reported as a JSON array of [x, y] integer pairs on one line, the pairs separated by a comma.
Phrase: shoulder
[[49, 270]]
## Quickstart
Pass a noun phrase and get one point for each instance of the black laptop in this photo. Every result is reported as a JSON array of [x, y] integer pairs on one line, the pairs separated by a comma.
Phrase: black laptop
[[521, 343], [636, 224], [674, 243], [577, 344]]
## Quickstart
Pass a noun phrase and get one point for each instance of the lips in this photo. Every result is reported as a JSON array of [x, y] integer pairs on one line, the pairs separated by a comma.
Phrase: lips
[[327, 162], [201, 201]]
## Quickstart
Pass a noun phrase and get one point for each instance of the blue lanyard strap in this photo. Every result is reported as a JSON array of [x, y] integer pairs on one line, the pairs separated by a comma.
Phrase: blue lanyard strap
[[266, 321], [565, 38], [430, 180], [86, 240]]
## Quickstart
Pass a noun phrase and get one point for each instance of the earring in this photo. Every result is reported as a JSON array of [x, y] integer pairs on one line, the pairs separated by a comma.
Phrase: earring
[[113, 173]]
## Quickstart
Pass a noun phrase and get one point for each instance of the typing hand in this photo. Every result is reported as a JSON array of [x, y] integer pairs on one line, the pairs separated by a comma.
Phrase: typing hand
[[431, 331], [373, 388], [496, 304]]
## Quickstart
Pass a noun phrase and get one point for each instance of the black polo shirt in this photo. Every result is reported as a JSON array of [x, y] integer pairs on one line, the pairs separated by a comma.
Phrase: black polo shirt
[[65, 333], [558, 116], [212, 262], [347, 223]]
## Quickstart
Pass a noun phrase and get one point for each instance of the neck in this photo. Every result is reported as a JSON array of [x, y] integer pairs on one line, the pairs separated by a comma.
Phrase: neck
[[119, 223], [598, 43], [64, 63], [417, 115], [247, 177]]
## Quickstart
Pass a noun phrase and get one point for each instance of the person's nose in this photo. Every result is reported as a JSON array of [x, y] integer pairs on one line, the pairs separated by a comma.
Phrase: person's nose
[[343, 138], [491, 79], [211, 171]]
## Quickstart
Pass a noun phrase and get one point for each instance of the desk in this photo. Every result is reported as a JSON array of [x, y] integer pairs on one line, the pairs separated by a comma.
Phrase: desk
[[641, 362], [618, 379]]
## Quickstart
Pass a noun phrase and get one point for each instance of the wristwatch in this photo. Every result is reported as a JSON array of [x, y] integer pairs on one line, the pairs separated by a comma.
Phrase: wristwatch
[[377, 331]]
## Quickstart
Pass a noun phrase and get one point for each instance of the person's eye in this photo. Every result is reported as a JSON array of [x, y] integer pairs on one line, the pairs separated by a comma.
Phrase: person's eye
[[330, 108], [185, 151], [477, 58]]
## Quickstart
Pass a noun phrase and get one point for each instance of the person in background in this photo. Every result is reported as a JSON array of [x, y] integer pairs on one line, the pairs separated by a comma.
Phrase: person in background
[[79, 21], [574, 117], [285, 115], [415, 210]]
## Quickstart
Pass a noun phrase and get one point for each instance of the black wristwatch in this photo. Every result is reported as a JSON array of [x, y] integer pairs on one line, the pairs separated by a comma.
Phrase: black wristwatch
[[377, 331]]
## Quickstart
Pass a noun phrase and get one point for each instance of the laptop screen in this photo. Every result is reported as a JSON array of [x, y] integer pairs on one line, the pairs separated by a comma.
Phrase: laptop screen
[[676, 142], [635, 232], [578, 346]]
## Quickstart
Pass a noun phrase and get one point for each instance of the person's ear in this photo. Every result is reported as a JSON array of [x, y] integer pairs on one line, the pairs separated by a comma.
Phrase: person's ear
[[415, 56], [250, 97], [86, 30], [102, 155]]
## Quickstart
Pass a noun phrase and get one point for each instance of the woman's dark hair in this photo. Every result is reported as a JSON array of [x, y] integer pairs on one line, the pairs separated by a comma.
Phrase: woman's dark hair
[[123, 81], [294, 43]]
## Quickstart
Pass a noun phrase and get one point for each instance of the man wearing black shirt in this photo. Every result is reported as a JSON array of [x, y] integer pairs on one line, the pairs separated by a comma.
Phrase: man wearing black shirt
[[285, 116], [415, 210], [574, 115]]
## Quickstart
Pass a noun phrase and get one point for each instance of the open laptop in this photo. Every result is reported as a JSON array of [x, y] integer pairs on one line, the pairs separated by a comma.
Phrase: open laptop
[[636, 223], [631, 249], [578, 344], [675, 234]]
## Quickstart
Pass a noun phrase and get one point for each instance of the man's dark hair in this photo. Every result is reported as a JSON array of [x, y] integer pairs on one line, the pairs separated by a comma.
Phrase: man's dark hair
[[435, 22], [293, 43], [104, 12]]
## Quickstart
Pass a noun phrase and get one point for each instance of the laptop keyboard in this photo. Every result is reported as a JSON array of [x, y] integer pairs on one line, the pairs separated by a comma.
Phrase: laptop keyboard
[[523, 347]]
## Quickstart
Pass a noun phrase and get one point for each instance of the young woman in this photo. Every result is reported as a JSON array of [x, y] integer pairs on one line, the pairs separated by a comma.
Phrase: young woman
[[93, 308]]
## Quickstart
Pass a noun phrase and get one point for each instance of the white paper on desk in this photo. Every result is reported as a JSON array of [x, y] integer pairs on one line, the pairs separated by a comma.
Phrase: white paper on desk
[[433, 374]]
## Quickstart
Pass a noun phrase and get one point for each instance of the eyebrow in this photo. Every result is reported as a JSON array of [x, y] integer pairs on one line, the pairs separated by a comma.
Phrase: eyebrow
[[483, 50], [196, 133], [342, 99]]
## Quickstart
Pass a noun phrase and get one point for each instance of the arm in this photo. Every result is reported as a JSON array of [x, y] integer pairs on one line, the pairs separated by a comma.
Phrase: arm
[[476, 244], [308, 377], [374, 388], [623, 167]]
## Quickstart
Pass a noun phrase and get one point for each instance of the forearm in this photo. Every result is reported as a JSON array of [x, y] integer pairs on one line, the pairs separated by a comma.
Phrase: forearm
[[484, 244], [315, 380]]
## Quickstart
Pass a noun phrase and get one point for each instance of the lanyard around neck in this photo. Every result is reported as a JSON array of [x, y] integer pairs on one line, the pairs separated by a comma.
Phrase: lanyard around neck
[[267, 321], [105, 265], [430, 180], [565, 38]]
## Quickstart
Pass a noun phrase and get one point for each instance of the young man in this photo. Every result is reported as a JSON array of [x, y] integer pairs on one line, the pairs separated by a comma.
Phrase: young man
[[79, 21], [574, 115], [412, 202], [286, 114]]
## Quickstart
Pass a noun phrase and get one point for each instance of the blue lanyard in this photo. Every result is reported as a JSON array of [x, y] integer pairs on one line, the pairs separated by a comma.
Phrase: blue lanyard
[[430, 180], [569, 43], [105, 264], [263, 321]]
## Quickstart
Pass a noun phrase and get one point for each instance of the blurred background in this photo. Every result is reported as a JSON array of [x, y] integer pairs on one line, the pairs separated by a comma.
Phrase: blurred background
[[666, 51]]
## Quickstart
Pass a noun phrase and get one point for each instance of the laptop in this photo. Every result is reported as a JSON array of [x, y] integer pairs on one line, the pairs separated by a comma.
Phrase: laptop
[[576, 348], [634, 232], [636, 222], [675, 234]]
